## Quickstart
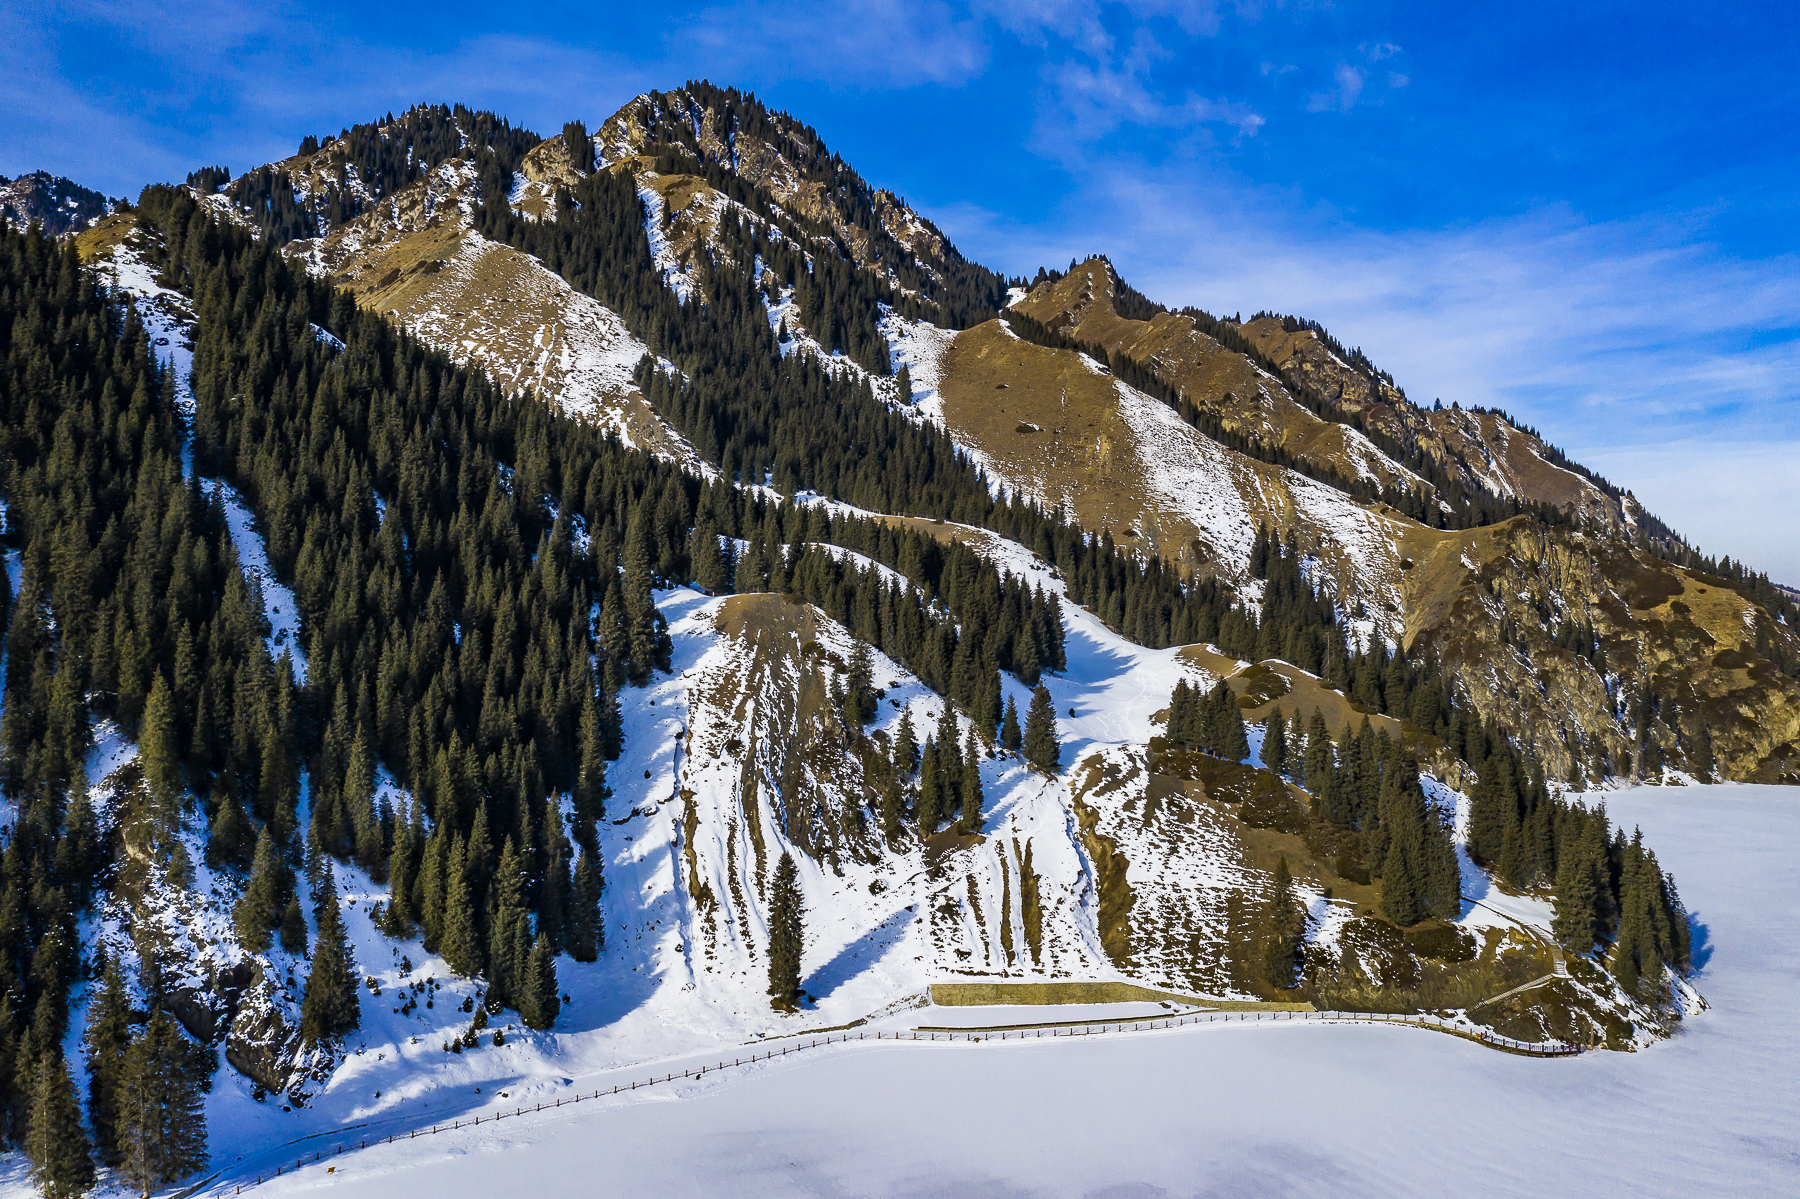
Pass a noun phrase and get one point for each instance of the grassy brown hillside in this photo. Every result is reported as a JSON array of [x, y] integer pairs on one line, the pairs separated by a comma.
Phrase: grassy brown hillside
[[1246, 398], [1053, 423], [415, 257]]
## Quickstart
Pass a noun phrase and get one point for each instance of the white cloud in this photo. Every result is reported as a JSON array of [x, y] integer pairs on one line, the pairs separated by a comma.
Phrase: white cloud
[[1343, 97], [891, 43]]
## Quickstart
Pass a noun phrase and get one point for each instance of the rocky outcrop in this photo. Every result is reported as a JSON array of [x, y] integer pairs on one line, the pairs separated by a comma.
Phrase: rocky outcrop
[[261, 1043], [1676, 651]]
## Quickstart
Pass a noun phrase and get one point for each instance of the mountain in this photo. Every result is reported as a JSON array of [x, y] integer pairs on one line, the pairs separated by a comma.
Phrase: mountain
[[58, 205], [458, 566]]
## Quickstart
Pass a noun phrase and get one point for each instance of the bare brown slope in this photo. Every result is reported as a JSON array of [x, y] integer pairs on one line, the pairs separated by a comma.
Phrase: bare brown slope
[[1246, 398], [416, 257], [1050, 422]]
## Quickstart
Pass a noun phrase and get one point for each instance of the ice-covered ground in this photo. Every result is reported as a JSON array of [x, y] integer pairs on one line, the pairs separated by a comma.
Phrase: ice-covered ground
[[1240, 1109]]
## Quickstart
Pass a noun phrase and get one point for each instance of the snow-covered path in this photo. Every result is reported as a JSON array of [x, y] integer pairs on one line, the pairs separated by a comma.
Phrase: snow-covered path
[[1244, 1109]]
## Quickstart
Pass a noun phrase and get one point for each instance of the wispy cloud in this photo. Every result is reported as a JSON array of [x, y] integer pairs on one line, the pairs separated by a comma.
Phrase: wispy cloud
[[1347, 85], [859, 43]]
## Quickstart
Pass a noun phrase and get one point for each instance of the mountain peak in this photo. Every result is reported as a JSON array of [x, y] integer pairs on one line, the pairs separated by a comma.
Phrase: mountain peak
[[57, 204]]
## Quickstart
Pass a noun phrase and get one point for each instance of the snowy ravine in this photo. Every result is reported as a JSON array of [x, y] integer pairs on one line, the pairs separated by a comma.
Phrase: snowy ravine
[[168, 319]]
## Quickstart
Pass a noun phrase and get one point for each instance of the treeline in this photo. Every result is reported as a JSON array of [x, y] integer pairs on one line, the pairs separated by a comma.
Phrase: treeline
[[763, 417], [757, 414], [1606, 888], [1365, 780], [1608, 891], [445, 614], [385, 156]]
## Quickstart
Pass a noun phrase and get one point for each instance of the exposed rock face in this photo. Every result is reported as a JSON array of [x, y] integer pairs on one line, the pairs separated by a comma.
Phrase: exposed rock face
[[784, 158], [261, 1043], [1493, 601], [1479, 448]]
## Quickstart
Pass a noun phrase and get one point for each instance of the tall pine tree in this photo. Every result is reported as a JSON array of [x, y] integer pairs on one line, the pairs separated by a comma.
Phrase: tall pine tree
[[61, 1162], [330, 1007], [1042, 749], [787, 934]]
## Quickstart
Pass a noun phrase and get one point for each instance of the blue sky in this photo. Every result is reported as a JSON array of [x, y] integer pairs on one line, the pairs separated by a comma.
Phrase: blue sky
[[1584, 214]]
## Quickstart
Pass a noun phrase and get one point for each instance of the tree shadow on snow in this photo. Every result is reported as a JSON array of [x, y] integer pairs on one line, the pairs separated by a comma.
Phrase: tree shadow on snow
[[859, 955], [1700, 946]]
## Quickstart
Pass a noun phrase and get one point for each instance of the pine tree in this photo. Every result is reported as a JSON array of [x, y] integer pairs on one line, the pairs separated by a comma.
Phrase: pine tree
[[1275, 746], [1574, 923], [1319, 751], [708, 560], [459, 942], [972, 798], [162, 1125], [787, 934], [1286, 921], [906, 746], [931, 805], [105, 1043], [591, 791], [1010, 736], [540, 1000], [1183, 725], [61, 1161], [1042, 749], [859, 689], [1399, 887], [330, 1007], [1230, 741], [358, 797], [399, 917], [230, 840], [160, 757], [293, 927], [640, 612], [12, 1104], [586, 931], [509, 929], [258, 910]]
